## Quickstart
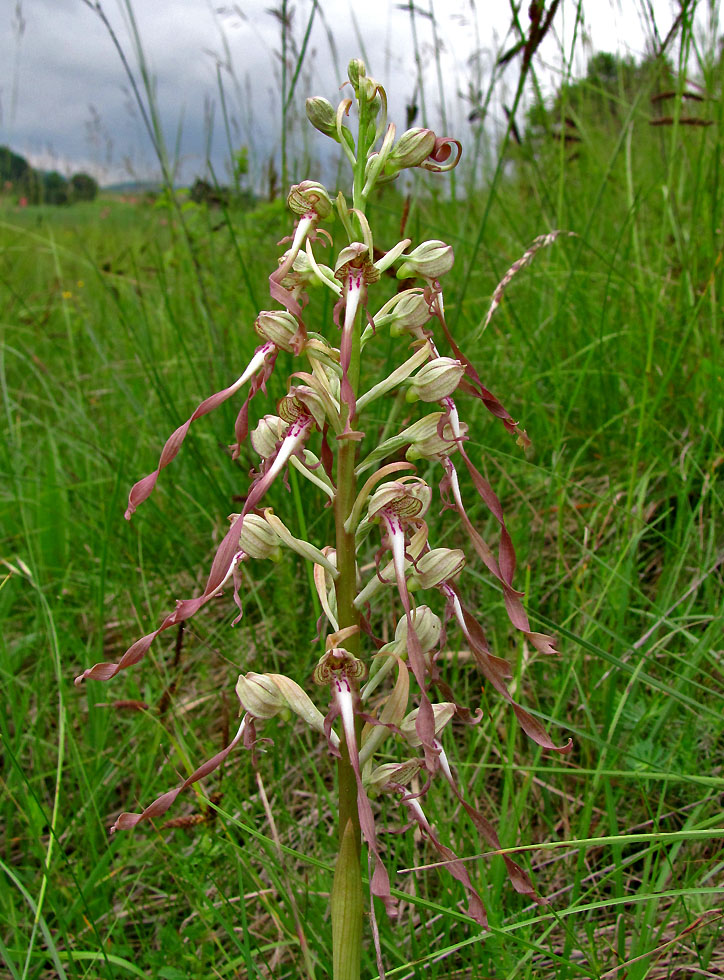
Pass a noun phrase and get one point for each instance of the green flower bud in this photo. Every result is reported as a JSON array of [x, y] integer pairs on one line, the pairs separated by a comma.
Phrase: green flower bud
[[310, 196], [356, 70], [410, 313], [443, 713], [367, 89], [430, 260], [322, 116], [306, 271], [333, 381], [397, 773], [438, 565], [266, 435], [259, 695], [435, 380], [279, 326], [257, 539], [427, 626], [376, 103], [411, 149], [425, 443], [267, 695]]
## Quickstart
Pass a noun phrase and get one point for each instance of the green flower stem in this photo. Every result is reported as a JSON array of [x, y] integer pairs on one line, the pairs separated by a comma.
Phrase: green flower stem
[[347, 909], [347, 915], [347, 901], [359, 170], [347, 894]]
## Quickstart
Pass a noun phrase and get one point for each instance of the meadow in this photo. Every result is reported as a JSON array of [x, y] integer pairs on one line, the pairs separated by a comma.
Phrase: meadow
[[118, 317]]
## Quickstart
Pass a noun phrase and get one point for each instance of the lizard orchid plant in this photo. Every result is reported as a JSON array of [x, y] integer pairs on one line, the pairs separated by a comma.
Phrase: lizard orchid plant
[[370, 696]]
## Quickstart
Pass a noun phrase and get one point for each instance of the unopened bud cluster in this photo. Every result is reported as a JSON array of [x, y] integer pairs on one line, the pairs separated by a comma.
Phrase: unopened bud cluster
[[414, 148]]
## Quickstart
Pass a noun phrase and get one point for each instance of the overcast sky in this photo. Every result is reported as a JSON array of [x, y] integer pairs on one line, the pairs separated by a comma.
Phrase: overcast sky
[[66, 102]]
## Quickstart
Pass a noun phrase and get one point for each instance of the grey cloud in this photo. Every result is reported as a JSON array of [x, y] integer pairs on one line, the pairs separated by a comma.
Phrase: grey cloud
[[67, 62]]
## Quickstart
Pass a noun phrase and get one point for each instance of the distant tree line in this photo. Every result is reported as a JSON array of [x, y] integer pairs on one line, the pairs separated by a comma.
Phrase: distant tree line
[[217, 195], [604, 96], [30, 186]]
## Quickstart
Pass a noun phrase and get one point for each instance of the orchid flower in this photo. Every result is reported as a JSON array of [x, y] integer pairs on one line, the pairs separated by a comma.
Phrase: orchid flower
[[355, 270], [342, 672], [395, 506], [262, 696]]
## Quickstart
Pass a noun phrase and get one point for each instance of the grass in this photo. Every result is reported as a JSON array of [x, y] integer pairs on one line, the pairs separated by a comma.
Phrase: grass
[[115, 322]]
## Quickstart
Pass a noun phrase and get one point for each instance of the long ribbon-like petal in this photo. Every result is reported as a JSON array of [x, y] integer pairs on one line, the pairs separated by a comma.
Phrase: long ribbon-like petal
[[143, 489], [474, 385], [127, 820], [343, 700], [518, 877], [476, 909], [354, 294], [224, 560], [425, 724], [494, 672]]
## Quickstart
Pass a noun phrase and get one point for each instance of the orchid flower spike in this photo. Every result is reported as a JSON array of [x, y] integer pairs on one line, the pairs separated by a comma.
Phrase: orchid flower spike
[[373, 696]]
